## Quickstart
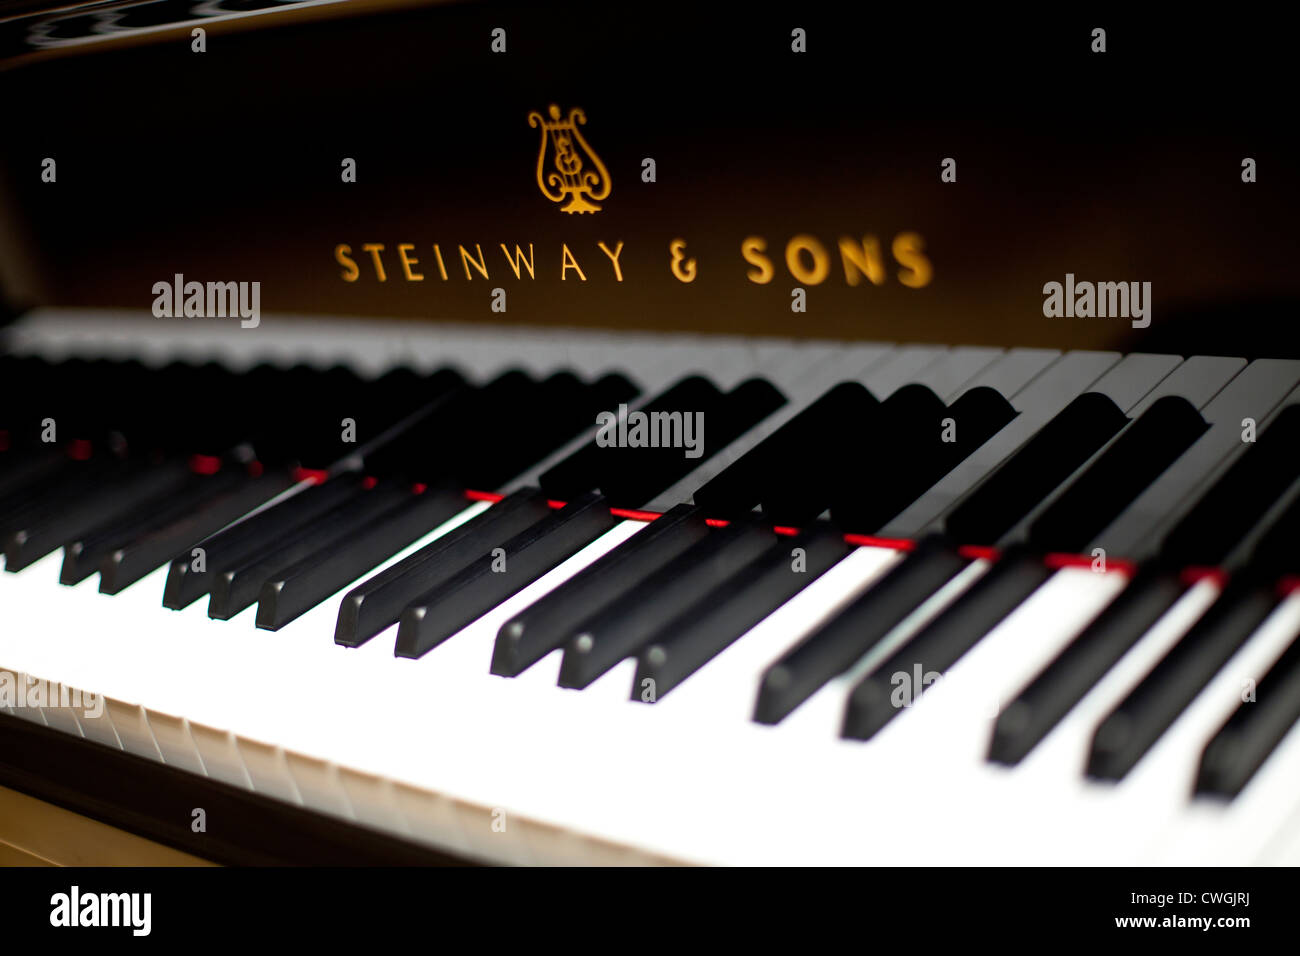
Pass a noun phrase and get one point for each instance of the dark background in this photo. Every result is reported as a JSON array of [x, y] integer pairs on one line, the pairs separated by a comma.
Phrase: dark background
[[1117, 166]]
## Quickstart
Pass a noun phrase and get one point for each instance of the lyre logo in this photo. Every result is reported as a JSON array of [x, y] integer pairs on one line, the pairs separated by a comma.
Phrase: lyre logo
[[581, 182]]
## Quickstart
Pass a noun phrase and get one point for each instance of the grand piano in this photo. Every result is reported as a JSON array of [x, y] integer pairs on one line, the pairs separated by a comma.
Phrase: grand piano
[[536, 434]]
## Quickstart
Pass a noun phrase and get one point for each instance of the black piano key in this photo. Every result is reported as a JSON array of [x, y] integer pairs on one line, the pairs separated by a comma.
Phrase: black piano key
[[546, 624], [523, 427], [139, 554], [1241, 496], [68, 520], [920, 453], [854, 462], [1140, 719], [700, 633], [1135, 459], [944, 640], [1036, 399], [1051, 695], [469, 424], [82, 556], [1254, 730], [294, 590], [836, 645], [493, 578], [619, 630], [1237, 393], [594, 466], [562, 408], [253, 535], [238, 585], [378, 602], [642, 473], [795, 445], [1040, 465]]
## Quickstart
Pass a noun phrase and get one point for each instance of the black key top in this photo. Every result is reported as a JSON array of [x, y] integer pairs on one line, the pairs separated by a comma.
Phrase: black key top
[[547, 624], [1077, 669], [713, 623], [298, 588], [1221, 518], [943, 641], [1254, 730], [457, 431], [798, 444], [595, 466], [238, 586], [494, 577], [641, 473], [378, 602], [1251, 392], [850, 462], [254, 535], [620, 629], [488, 450], [133, 558], [1140, 453], [68, 520], [562, 408], [919, 454], [836, 645], [1131, 729], [1043, 463]]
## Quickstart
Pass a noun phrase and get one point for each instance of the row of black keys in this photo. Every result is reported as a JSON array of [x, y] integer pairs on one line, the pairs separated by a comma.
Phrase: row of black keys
[[123, 498], [483, 436], [387, 517]]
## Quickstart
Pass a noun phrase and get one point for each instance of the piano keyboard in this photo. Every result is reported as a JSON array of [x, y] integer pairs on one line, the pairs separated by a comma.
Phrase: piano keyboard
[[908, 603]]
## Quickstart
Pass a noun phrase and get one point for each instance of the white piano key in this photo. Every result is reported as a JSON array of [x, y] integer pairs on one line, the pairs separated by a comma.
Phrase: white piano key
[[822, 714], [133, 729], [176, 743], [726, 688], [966, 700], [220, 756], [268, 769]]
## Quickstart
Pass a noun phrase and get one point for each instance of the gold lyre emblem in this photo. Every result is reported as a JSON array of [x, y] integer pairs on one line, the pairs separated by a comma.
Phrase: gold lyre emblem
[[581, 182]]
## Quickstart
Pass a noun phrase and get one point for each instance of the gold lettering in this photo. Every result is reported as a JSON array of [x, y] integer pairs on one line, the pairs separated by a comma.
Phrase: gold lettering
[[342, 255], [407, 262], [442, 269], [613, 257], [375, 248], [864, 260], [907, 250], [821, 266], [565, 267], [752, 250], [519, 260], [480, 265], [683, 268]]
